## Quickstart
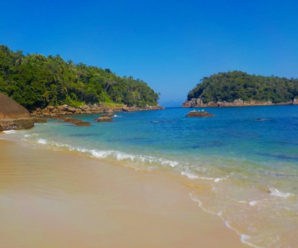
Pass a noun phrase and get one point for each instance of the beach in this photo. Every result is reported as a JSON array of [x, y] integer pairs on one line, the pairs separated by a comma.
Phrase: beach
[[63, 199]]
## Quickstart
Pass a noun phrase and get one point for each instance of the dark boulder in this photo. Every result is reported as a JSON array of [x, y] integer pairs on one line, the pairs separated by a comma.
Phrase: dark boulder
[[104, 119], [76, 122], [16, 124], [196, 113]]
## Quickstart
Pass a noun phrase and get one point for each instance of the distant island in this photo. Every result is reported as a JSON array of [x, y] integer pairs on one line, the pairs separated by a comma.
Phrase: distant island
[[36, 82], [238, 88]]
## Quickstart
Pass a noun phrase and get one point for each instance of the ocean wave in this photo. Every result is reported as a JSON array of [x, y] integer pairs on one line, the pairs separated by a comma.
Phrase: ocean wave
[[193, 176], [189, 175], [253, 203], [117, 155], [9, 131], [277, 193], [42, 141], [122, 156]]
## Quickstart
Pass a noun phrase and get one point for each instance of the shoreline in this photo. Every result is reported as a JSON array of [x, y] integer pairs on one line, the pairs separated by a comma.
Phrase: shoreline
[[63, 199], [65, 110], [197, 103]]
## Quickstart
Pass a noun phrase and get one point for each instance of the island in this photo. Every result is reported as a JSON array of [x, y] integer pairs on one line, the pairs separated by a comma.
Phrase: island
[[238, 88]]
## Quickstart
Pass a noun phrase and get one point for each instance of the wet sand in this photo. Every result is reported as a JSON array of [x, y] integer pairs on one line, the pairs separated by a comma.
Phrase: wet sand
[[62, 199]]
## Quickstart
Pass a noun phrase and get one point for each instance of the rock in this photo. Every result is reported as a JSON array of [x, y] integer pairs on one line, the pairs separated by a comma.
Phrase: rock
[[40, 119], [194, 102], [16, 124], [104, 119], [126, 109], [108, 113], [76, 122], [10, 109], [195, 113], [13, 116], [54, 111], [198, 102]]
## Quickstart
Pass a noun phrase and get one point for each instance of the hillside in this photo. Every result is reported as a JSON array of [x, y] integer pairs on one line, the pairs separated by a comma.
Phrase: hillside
[[37, 81], [240, 88]]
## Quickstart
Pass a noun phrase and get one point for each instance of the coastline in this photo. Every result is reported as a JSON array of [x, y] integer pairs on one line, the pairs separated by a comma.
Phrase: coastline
[[198, 103], [65, 110], [63, 199]]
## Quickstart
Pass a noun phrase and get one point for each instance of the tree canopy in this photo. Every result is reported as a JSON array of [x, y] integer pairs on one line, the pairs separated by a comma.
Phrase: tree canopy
[[35, 80], [230, 86]]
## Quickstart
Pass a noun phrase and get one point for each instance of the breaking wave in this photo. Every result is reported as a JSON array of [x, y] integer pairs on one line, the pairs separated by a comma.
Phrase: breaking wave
[[113, 154]]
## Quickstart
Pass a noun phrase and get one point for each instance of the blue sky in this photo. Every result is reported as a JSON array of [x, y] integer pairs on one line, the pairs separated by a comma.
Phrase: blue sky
[[169, 44]]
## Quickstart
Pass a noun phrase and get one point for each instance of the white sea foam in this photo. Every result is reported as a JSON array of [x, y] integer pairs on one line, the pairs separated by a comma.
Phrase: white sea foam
[[216, 180], [200, 204], [122, 156], [227, 224], [189, 175], [97, 154], [253, 203], [168, 162], [277, 193], [207, 178], [102, 154], [9, 131], [244, 238], [42, 141]]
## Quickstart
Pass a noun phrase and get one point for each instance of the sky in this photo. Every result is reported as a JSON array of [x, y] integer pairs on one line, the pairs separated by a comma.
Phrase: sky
[[171, 45]]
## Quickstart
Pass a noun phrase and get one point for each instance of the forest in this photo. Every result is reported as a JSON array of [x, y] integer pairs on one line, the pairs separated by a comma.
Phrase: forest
[[36, 81], [233, 85]]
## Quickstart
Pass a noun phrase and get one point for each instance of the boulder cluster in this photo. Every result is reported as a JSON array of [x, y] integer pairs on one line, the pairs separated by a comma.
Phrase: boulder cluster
[[54, 111], [198, 102], [13, 116]]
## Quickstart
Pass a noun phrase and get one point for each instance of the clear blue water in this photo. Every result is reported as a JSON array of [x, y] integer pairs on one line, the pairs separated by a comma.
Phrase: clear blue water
[[248, 157]]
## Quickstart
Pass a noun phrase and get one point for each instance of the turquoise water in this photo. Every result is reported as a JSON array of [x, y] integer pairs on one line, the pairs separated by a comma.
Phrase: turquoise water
[[246, 157]]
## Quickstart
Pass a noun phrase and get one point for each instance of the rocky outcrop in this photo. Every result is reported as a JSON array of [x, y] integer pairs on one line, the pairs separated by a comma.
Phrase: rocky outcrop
[[196, 113], [16, 124], [76, 122], [40, 119], [10, 109], [198, 102], [104, 118], [13, 116], [54, 111]]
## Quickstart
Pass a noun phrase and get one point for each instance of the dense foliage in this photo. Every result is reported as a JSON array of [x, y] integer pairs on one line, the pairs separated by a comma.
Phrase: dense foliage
[[239, 85], [38, 81]]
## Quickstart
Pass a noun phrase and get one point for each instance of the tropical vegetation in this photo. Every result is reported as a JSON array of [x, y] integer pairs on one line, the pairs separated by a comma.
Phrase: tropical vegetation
[[230, 86], [36, 81]]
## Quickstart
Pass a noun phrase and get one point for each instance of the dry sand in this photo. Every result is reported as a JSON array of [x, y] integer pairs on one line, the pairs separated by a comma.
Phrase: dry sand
[[54, 199]]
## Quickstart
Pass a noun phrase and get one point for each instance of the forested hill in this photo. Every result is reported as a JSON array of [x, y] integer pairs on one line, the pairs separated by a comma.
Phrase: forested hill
[[38, 81], [230, 86]]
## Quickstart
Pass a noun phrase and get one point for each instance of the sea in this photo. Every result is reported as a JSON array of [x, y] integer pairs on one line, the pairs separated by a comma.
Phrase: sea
[[240, 165]]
